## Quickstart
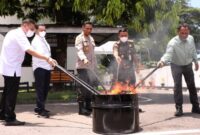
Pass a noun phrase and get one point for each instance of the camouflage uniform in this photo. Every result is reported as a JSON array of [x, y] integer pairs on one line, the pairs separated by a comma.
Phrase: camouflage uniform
[[126, 70]]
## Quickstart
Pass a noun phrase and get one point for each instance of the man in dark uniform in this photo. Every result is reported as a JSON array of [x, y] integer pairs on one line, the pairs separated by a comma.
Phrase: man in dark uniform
[[125, 55], [127, 61]]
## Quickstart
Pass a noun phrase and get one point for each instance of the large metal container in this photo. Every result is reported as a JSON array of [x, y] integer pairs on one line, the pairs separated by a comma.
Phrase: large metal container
[[115, 113]]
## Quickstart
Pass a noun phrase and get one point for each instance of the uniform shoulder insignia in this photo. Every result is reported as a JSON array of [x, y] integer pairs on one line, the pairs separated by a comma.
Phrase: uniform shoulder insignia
[[130, 41]]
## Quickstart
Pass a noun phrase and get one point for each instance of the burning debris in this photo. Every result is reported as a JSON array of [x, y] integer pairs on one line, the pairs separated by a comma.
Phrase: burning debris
[[122, 88]]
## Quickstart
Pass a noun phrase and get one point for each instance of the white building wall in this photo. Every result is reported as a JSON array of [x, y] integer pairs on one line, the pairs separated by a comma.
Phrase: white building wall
[[10, 20], [1, 40], [14, 20], [71, 58], [163, 75]]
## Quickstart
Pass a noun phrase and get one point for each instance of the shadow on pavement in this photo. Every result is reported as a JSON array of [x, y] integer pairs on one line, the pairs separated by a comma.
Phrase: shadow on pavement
[[55, 109], [172, 118], [160, 98]]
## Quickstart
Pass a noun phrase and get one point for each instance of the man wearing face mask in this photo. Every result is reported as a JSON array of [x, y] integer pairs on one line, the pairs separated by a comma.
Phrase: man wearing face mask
[[181, 53], [125, 55], [42, 70], [14, 46]]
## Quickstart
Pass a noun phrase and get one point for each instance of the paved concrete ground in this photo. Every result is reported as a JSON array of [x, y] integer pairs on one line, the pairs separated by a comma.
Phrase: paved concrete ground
[[157, 118]]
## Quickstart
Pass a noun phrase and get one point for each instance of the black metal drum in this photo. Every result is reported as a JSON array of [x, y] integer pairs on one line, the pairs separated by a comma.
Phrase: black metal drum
[[115, 113]]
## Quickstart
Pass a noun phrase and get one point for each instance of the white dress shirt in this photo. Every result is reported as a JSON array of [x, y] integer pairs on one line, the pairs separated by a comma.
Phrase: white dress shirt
[[40, 45], [14, 46]]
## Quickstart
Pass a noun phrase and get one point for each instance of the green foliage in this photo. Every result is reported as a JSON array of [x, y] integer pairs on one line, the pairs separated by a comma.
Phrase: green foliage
[[191, 16], [84, 5], [53, 96], [145, 17], [112, 11], [10, 7]]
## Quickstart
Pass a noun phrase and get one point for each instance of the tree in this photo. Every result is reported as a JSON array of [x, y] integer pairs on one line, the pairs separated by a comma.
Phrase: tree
[[144, 16], [191, 17], [59, 11], [156, 19]]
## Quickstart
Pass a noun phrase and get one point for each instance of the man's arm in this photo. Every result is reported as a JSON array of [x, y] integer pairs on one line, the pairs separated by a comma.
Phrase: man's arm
[[116, 54], [167, 57], [194, 55], [40, 56]]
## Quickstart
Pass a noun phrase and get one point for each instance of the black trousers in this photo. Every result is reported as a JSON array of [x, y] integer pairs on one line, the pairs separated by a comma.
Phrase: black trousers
[[187, 72], [88, 77], [42, 81], [9, 97]]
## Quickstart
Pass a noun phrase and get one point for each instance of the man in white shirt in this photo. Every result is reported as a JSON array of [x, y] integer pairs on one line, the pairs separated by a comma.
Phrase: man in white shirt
[[42, 70], [14, 46]]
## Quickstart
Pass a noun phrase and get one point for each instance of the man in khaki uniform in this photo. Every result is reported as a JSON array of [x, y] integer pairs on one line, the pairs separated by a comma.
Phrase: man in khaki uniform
[[86, 62]]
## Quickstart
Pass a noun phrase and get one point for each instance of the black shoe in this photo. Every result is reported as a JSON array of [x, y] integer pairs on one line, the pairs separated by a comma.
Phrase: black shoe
[[179, 111], [47, 111], [2, 118], [140, 110], [37, 110], [14, 123], [88, 106], [83, 110], [196, 110], [44, 114]]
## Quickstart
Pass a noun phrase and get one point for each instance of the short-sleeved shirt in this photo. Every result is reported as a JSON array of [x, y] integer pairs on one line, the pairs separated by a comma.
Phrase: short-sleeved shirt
[[14, 46], [40, 45]]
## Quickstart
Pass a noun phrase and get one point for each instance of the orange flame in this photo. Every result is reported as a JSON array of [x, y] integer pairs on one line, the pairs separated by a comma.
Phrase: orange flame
[[120, 88]]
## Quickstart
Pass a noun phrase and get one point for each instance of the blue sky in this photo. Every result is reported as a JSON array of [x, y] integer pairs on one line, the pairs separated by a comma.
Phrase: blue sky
[[195, 3]]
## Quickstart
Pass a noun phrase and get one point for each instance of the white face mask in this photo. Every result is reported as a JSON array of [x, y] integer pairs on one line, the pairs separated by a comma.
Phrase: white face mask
[[42, 34], [124, 39], [30, 33]]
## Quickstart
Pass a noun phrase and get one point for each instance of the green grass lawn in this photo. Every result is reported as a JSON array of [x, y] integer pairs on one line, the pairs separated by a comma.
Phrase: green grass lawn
[[25, 97]]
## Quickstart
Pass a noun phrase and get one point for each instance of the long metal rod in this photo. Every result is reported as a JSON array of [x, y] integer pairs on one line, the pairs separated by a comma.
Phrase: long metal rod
[[141, 81], [117, 72], [84, 84], [100, 83]]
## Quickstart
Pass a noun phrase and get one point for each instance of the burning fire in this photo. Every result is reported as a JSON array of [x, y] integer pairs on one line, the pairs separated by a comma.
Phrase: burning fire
[[120, 88]]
